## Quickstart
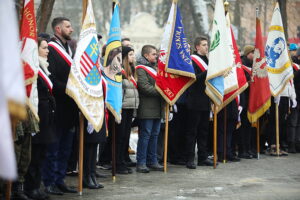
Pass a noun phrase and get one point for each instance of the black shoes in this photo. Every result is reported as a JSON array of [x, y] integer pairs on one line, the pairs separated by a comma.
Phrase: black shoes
[[94, 179], [245, 155], [91, 183], [18, 192], [206, 162], [156, 167], [52, 189], [66, 189], [37, 194], [142, 169], [190, 165]]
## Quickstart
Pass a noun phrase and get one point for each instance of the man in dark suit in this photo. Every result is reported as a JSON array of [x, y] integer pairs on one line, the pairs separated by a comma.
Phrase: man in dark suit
[[60, 60], [198, 106]]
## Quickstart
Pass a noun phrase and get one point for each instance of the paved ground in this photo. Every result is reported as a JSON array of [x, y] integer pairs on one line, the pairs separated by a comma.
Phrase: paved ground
[[269, 178]]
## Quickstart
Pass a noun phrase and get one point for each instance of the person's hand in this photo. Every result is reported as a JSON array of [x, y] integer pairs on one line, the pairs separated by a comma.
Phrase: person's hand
[[89, 128], [277, 100], [294, 103]]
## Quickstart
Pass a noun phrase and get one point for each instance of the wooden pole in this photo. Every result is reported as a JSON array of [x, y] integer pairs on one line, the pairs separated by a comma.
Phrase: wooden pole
[[225, 135], [257, 139], [9, 183], [215, 136], [84, 7], [81, 138], [113, 147], [166, 137], [277, 130]]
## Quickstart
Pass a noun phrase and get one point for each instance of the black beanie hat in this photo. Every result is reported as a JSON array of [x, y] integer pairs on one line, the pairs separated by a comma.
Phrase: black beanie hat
[[126, 50]]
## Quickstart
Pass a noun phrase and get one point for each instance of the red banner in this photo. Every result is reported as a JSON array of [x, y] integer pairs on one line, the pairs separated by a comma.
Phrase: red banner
[[259, 96]]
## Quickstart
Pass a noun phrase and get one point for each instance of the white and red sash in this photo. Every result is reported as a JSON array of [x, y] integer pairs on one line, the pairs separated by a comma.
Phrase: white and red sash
[[200, 63], [62, 52], [152, 72], [131, 78], [295, 66], [46, 79], [247, 69]]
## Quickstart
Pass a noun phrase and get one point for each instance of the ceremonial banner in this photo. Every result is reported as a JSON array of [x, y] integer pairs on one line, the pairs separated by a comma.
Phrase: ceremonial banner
[[236, 71], [220, 59], [29, 54], [84, 83], [259, 95], [12, 87], [279, 66], [113, 67], [175, 69]]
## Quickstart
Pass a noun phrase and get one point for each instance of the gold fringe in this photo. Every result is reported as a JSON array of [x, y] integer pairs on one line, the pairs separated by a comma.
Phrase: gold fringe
[[31, 80], [112, 110], [286, 82], [232, 97], [180, 73], [253, 117], [181, 91], [32, 109], [17, 110], [69, 92]]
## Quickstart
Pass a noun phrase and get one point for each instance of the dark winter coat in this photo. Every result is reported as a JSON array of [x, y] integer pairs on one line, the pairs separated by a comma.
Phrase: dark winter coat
[[46, 112], [196, 98], [151, 102], [66, 108]]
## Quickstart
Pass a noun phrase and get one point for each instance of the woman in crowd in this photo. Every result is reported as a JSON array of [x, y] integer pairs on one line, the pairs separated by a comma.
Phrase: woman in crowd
[[46, 135], [130, 103]]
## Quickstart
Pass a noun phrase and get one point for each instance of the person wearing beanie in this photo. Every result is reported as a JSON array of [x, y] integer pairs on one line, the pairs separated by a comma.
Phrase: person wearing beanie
[[130, 103], [247, 58], [293, 52]]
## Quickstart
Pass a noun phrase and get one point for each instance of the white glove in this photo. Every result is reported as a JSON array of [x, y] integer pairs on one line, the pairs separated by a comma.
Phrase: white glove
[[240, 109], [277, 100], [170, 116], [294, 105], [90, 128], [175, 108]]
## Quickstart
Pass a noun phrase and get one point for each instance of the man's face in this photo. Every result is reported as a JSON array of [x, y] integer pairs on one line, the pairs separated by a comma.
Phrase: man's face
[[202, 48], [151, 56], [65, 30], [250, 55]]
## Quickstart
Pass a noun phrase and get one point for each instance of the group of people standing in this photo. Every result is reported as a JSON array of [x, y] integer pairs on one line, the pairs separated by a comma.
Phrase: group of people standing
[[50, 142]]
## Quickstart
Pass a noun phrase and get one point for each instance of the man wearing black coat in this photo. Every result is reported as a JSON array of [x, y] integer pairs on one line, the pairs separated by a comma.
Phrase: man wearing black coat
[[60, 59], [198, 106]]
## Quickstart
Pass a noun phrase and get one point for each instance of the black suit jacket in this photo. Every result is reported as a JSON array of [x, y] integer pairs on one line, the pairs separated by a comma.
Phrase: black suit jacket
[[196, 98], [67, 110]]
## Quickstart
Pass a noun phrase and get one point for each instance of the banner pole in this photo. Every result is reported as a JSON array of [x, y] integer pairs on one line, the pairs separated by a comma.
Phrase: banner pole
[[84, 7], [257, 139], [225, 135], [9, 183], [166, 137], [277, 130], [113, 148], [215, 136], [81, 138]]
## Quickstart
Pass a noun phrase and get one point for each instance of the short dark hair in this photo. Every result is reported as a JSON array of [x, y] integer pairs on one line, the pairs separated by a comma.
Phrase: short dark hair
[[125, 39], [40, 39], [58, 20], [147, 48], [198, 40]]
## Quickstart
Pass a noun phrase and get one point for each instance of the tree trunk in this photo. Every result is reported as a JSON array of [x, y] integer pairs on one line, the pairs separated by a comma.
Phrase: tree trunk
[[237, 22], [19, 7], [282, 6], [43, 14]]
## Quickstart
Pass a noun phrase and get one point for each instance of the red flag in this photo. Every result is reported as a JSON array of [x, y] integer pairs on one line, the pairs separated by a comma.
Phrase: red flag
[[241, 78], [259, 96], [29, 54], [175, 69]]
